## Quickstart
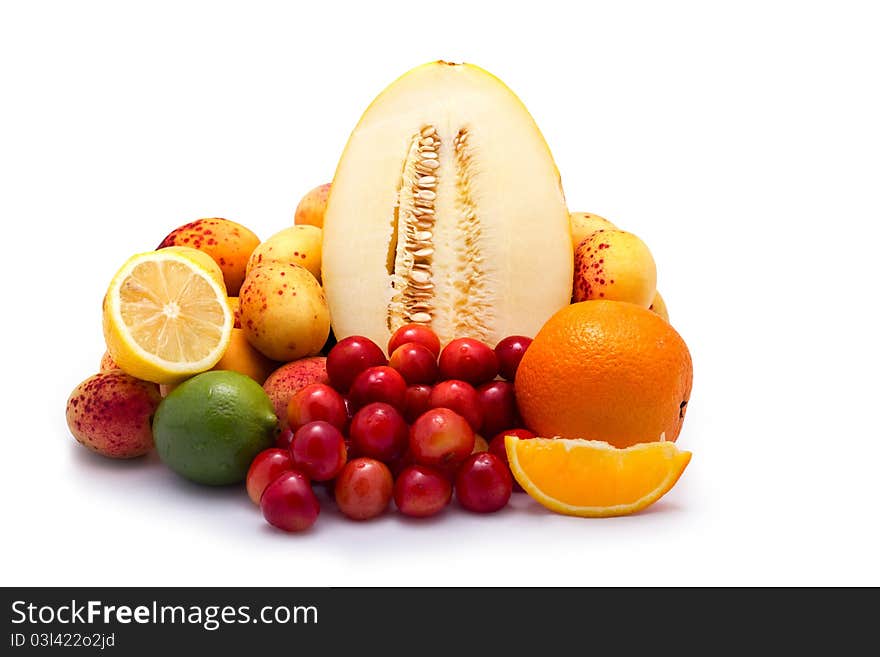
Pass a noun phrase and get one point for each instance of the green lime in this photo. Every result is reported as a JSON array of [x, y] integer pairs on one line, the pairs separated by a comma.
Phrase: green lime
[[210, 427]]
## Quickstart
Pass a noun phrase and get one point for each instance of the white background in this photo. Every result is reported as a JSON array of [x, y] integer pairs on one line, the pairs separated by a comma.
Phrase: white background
[[741, 142]]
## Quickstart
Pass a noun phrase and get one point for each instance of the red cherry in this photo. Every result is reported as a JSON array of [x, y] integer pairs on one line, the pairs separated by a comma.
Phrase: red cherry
[[284, 438], [496, 447], [416, 401], [351, 356], [415, 333], [351, 450], [398, 465], [498, 403], [318, 450], [363, 488], [378, 384], [440, 436], [266, 466], [448, 470], [316, 402], [510, 352], [415, 362], [421, 491], [379, 431], [483, 484], [289, 502], [469, 360], [460, 397]]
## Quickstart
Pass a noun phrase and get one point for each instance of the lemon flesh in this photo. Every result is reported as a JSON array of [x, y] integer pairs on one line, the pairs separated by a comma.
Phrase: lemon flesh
[[166, 318]]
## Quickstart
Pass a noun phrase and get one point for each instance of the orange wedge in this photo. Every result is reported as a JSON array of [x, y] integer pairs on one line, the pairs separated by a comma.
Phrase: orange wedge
[[592, 479]]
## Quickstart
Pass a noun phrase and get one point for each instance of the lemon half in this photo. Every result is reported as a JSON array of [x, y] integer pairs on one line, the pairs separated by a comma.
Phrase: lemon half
[[166, 317]]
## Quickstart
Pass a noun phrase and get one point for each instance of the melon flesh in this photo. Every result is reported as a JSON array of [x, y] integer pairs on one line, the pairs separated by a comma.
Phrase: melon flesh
[[447, 210]]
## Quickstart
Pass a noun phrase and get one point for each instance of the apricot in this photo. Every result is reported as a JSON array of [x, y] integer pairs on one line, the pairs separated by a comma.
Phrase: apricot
[[584, 224], [299, 245], [290, 378], [658, 305], [235, 307], [229, 243], [242, 357], [312, 206], [283, 311], [111, 414], [614, 265], [107, 363]]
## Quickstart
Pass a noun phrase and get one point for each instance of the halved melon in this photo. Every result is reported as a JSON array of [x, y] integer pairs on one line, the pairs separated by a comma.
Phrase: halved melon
[[447, 210]]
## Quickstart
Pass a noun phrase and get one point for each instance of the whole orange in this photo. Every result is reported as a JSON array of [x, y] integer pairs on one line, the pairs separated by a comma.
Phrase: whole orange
[[605, 370], [228, 242]]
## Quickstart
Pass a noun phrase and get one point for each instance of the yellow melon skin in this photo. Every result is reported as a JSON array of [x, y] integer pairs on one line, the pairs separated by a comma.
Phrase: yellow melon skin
[[446, 209]]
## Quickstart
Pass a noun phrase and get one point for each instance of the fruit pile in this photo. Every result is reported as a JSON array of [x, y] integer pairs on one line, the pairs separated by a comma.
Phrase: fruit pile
[[435, 323]]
